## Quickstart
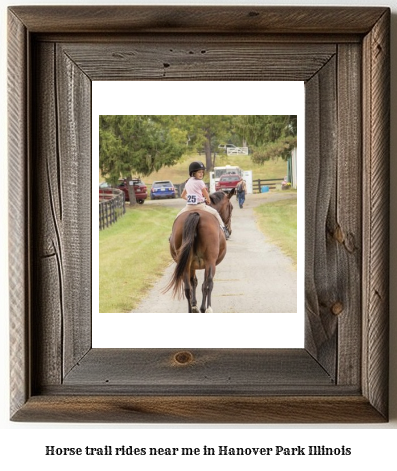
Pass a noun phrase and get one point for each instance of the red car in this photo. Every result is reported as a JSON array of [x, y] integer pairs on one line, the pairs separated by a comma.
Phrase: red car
[[140, 189], [227, 182]]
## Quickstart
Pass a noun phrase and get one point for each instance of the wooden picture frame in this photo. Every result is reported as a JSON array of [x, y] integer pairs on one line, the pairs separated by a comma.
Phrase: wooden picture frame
[[342, 54]]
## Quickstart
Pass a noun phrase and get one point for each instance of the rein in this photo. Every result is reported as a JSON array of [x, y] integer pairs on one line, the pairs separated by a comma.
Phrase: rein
[[218, 198]]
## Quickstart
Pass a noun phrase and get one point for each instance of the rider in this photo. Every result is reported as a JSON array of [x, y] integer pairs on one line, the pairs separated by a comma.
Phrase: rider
[[196, 194]]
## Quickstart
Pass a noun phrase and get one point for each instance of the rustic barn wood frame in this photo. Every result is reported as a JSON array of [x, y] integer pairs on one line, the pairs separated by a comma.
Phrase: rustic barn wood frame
[[342, 54]]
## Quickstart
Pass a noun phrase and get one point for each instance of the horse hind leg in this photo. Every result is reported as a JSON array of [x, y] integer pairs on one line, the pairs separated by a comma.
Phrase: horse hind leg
[[207, 287], [209, 293], [190, 294], [193, 284]]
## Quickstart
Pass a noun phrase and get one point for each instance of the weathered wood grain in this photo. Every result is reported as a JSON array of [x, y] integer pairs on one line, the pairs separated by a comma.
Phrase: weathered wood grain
[[199, 409], [338, 377], [321, 279], [205, 369], [74, 143], [347, 226], [62, 224], [223, 59], [333, 215], [376, 104], [18, 213], [47, 292], [198, 19]]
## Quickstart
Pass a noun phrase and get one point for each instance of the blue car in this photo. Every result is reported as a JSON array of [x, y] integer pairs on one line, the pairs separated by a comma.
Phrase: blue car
[[163, 189]]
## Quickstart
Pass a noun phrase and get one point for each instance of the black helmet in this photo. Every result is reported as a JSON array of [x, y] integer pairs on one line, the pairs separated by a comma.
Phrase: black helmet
[[195, 167]]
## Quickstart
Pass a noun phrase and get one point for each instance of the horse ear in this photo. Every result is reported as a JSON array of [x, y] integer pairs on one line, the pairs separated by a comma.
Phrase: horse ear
[[231, 193]]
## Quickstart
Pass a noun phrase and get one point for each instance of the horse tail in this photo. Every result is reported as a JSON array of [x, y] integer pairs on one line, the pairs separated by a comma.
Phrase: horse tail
[[185, 254]]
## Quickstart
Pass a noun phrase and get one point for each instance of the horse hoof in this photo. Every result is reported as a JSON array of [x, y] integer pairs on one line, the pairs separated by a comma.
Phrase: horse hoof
[[195, 309], [209, 309]]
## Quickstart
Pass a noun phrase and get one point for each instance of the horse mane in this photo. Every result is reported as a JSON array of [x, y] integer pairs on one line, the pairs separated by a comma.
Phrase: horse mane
[[217, 197]]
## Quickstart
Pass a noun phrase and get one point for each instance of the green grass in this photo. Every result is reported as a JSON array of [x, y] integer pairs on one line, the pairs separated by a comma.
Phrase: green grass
[[134, 252], [132, 256], [179, 172], [278, 221]]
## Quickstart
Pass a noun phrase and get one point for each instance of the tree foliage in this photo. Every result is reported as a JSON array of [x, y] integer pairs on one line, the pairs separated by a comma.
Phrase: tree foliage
[[207, 131], [138, 144], [268, 136], [131, 144]]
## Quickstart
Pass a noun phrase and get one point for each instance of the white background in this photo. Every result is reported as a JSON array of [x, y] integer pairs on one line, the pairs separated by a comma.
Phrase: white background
[[258, 330], [22, 445]]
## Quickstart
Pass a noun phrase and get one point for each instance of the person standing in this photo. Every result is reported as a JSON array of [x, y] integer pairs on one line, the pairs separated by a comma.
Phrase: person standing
[[241, 190]]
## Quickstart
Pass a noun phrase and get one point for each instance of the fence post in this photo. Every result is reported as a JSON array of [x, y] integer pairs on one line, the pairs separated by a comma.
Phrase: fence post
[[111, 209]]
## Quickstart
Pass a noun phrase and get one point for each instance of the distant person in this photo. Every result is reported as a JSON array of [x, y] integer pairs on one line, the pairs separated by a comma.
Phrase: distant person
[[241, 190], [196, 194]]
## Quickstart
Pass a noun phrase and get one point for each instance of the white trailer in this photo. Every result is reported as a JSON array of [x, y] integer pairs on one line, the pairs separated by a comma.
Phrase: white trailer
[[230, 169]]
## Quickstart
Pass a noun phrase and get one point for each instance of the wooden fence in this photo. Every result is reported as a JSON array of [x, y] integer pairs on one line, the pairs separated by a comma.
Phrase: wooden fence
[[111, 207], [259, 183], [256, 185], [237, 151]]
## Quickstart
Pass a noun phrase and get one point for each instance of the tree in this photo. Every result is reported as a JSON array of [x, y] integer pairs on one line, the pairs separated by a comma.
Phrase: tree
[[269, 136], [142, 144], [138, 144], [206, 131]]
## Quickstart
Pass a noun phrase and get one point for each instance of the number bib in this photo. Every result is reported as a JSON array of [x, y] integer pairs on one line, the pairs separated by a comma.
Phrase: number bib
[[192, 199]]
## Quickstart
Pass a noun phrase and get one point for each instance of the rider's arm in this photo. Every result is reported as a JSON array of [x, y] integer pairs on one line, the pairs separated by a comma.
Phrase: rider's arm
[[184, 193], [206, 195]]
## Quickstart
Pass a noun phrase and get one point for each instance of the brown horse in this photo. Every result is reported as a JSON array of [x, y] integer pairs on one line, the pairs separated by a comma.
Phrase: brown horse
[[196, 243]]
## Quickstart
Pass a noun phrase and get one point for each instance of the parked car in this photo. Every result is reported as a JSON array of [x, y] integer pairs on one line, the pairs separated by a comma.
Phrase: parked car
[[140, 189], [162, 189], [105, 191], [227, 182]]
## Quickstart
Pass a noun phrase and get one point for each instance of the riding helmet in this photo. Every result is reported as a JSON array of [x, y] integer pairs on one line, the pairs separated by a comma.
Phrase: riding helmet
[[195, 167]]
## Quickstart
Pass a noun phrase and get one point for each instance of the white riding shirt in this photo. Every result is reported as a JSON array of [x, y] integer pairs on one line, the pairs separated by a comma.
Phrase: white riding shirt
[[194, 191]]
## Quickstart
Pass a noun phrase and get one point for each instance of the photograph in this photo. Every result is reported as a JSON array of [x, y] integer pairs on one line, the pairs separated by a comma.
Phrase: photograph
[[186, 168]]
